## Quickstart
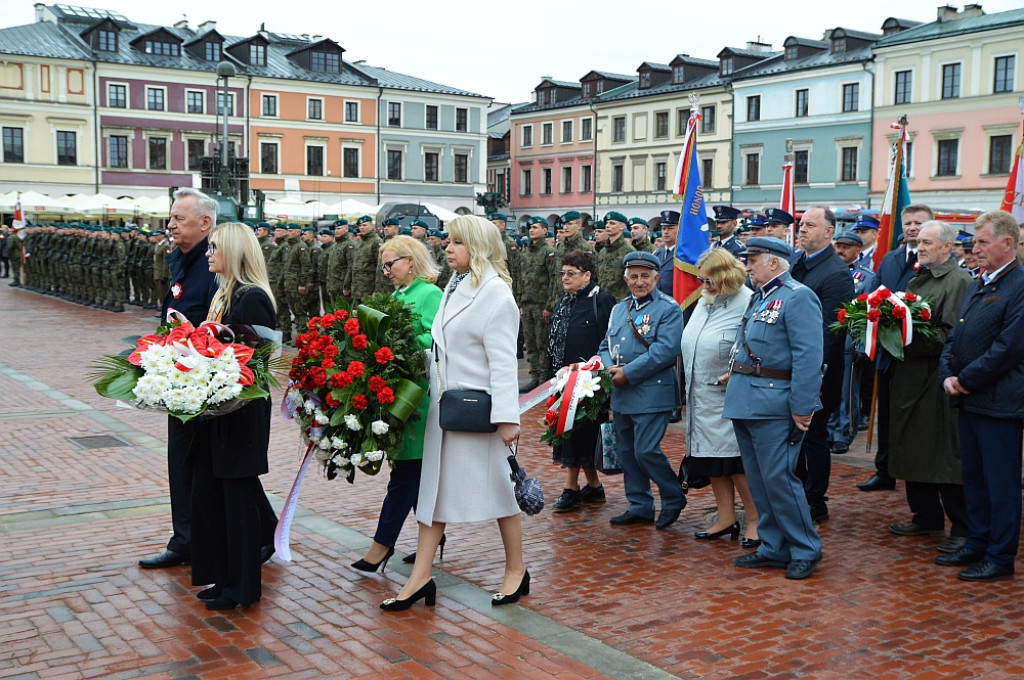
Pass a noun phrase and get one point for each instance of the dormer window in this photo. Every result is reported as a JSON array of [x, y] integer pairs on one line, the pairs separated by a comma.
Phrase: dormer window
[[540, 97], [165, 49], [677, 74], [838, 45], [600, 86], [645, 80], [324, 62], [792, 52], [106, 41], [587, 90], [212, 51], [726, 67], [257, 54]]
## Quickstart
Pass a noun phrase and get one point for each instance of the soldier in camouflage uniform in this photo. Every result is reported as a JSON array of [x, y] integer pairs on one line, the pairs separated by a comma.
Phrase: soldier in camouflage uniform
[[327, 245], [609, 258], [161, 270], [364, 261], [297, 274], [337, 264], [391, 228], [275, 273], [15, 254], [435, 237], [640, 238], [309, 237], [569, 238], [115, 254], [146, 252], [540, 269]]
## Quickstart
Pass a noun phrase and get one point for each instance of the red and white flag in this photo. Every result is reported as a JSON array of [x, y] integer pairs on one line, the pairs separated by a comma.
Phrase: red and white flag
[[788, 200], [1013, 200], [19, 216]]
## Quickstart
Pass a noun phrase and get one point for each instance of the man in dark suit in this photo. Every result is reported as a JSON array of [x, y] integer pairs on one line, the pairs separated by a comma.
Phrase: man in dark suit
[[982, 370], [820, 268], [193, 214], [726, 221], [894, 272], [667, 253]]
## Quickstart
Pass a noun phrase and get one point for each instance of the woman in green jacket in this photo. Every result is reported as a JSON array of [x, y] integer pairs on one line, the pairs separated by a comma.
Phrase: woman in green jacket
[[412, 270]]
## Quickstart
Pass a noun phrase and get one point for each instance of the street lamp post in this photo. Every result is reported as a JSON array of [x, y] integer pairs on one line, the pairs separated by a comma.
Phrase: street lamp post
[[225, 70]]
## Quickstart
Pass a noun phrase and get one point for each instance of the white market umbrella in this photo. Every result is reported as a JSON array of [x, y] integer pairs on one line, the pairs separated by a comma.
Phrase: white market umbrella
[[352, 206], [439, 212], [34, 203], [294, 211]]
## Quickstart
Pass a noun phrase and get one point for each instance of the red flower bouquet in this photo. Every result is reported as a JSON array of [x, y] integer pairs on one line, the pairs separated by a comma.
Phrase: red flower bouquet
[[580, 392], [886, 318]]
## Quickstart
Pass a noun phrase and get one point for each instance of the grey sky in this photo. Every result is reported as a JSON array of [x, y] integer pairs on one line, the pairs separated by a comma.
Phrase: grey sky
[[501, 49]]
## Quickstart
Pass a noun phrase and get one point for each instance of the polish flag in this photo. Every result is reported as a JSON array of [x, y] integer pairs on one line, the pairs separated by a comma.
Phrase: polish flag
[[1013, 200]]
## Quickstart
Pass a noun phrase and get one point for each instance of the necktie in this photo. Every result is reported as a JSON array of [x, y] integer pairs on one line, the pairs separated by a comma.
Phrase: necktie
[[911, 257]]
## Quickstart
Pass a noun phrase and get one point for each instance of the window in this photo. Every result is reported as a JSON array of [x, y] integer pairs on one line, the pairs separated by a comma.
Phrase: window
[[802, 103], [270, 105], [350, 162], [157, 147], [394, 114], [585, 178], [908, 157], [726, 67], [661, 124], [950, 81], [194, 101], [546, 133], [154, 99], [617, 178], [851, 97], [268, 158], [566, 131], [196, 150], [586, 129], [527, 135], [527, 187], [948, 152], [1000, 152], [753, 169], [567, 180], [431, 118], [849, 170], [677, 74], [682, 120], [660, 176], [230, 102], [619, 132], [754, 107], [117, 96], [587, 91], [707, 123], [645, 80], [164, 49], [106, 41], [461, 120], [1004, 75], [540, 97], [324, 62], [545, 181], [599, 86], [461, 168], [258, 54], [315, 161], [117, 155], [315, 109], [431, 166], [394, 164], [792, 52], [212, 51], [707, 177], [67, 147], [14, 145], [838, 45], [904, 80], [801, 159]]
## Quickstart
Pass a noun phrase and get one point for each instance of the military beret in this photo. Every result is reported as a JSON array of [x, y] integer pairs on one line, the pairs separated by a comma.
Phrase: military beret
[[248, 223], [637, 220], [598, 224], [497, 216], [627, 233], [614, 215], [364, 218], [419, 223], [280, 225], [263, 225], [657, 234], [571, 216], [767, 244], [669, 217], [640, 258], [405, 231], [309, 227], [353, 229], [292, 225], [340, 223], [725, 213], [851, 238], [778, 216], [435, 233], [391, 222], [550, 234], [866, 221], [326, 231], [537, 219]]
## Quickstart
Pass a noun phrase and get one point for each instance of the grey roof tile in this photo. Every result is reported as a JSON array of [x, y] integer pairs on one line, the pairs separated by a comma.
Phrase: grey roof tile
[[960, 26]]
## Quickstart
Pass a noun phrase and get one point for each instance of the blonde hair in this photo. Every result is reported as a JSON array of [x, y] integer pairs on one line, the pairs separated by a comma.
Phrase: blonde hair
[[727, 273], [242, 260], [423, 265], [484, 243]]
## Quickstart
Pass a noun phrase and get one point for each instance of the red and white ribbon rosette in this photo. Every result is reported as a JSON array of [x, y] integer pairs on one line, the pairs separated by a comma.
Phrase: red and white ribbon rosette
[[576, 377], [875, 300]]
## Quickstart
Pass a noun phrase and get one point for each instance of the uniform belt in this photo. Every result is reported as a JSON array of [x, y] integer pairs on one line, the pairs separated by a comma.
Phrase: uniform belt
[[759, 370]]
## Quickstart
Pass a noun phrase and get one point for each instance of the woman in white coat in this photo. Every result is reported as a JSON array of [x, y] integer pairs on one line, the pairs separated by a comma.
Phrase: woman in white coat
[[711, 445], [465, 476]]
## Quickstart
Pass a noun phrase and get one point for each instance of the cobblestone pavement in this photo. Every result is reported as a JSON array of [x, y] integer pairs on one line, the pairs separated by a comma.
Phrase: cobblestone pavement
[[606, 602]]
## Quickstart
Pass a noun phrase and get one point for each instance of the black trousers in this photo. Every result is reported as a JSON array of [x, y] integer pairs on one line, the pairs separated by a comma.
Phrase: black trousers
[[930, 501], [179, 477], [403, 491], [882, 411], [814, 465]]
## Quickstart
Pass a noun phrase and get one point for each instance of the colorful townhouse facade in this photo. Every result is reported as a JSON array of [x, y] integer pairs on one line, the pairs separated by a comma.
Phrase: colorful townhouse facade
[[958, 80]]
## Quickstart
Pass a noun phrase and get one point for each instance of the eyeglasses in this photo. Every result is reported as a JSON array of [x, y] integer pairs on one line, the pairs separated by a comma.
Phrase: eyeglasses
[[211, 248], [386, 267], [704, 281], [569, 272]]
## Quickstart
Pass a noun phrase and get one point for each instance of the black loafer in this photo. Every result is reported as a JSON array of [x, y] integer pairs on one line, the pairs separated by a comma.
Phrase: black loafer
[[960, 557], [800, 569], [667, 518], [987, 571], [951, 544], [756, 560], [915, 529], [878, 483], [629, 518], [167, 558], [840, 448]]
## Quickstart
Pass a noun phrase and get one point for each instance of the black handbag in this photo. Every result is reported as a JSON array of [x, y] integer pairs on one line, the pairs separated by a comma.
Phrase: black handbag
[[465, 411], [688, 481]]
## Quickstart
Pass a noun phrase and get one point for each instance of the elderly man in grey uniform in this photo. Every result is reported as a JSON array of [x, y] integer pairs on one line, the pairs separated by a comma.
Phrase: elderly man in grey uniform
[[641, 347], [771, 394]]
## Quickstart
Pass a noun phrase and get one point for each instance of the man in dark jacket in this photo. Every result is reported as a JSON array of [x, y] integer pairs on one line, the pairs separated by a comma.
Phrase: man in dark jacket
[[982, 371], [821, 269], [193, 214]]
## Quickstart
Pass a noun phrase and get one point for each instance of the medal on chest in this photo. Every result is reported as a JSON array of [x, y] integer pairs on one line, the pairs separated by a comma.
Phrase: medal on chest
[[643, 324], [769, 311]]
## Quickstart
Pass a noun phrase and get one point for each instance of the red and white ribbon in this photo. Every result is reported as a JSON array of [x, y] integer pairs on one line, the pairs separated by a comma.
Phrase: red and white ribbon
[[282, 534], [906, 323], [572, 394]]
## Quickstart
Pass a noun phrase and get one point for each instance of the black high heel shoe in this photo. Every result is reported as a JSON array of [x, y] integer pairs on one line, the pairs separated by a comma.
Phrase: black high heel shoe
[[410, 558], [211, 593], [428, 593], [750, 542], [363, 565], [733, 530], [524, 589]]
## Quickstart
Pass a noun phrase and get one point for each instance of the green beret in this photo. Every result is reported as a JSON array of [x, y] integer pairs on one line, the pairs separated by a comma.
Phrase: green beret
[[340, 223], [405, 231], [248, 223], [537, 220], [550, 234], [598, 224], [497, 216], [364, 218], [571, 216], [263, 225], [309, 228], [637, 220], [419, 223], [391, 222], [292, 225], [617, 216]]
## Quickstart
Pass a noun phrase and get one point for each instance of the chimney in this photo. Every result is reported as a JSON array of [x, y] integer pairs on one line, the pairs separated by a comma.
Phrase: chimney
[[183, 23], [758, 46], [946, 13], [40, 7], [263, 30], [206, 26], [972, 10]]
